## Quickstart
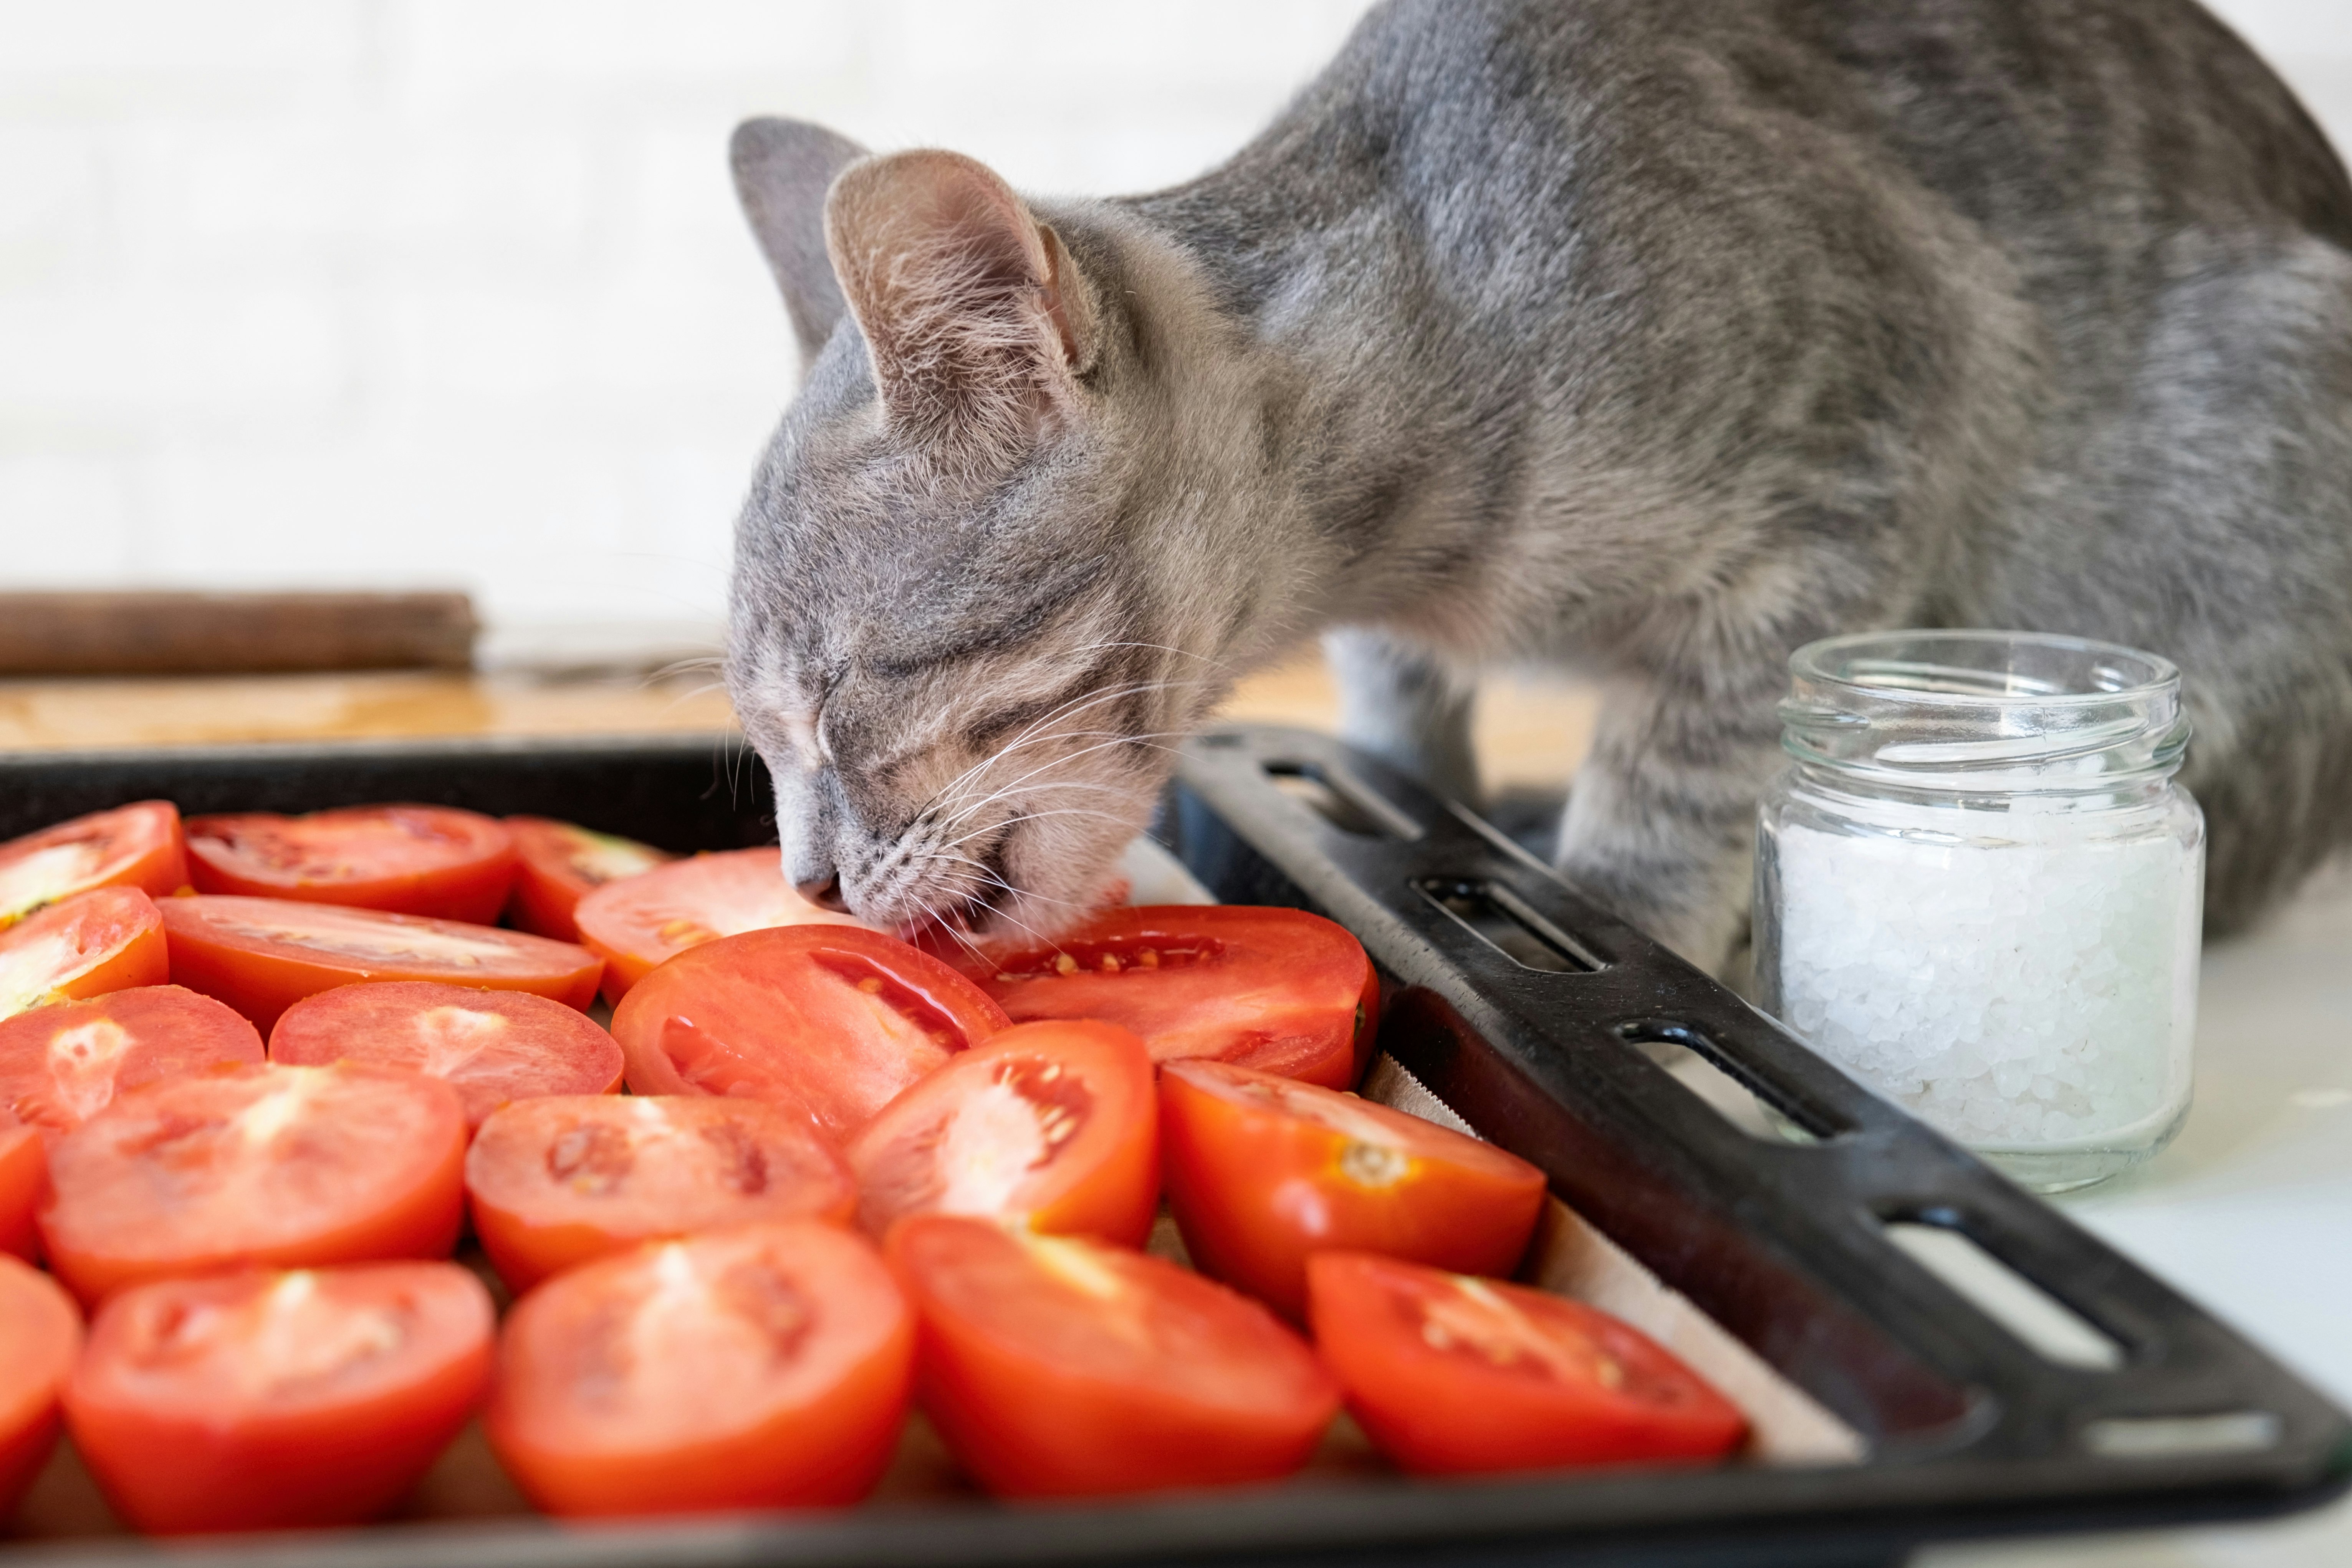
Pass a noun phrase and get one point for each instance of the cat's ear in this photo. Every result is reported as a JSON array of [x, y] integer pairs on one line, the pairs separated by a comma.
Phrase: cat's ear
[[979, 322], [782, 170]]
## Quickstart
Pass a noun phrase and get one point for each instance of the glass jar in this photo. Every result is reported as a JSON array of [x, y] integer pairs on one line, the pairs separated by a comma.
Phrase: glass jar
[[1978, 891]]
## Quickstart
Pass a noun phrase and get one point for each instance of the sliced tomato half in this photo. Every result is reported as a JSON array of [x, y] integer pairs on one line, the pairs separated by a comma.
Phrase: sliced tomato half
[[263, 955], [1054, 1366], [830, 1021], [24, 1178], [63, 1064], [491, 1046], [766, 1366], [41, 1341], [131, 847], [108, 939], [256, 1166], [649, 919], [270, 1401], [1262, 1171], [555, 1182], [559, 863], [1279, 990], [1452, 1375], [429, 861], [1052, 1124]]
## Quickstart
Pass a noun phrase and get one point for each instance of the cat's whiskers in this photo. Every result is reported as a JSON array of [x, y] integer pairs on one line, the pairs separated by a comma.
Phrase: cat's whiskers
[[1012, 822], [1150, 739], [1070, 708]]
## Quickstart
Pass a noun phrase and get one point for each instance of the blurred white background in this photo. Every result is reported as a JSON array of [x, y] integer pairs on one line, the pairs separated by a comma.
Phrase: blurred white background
[[390, 293]]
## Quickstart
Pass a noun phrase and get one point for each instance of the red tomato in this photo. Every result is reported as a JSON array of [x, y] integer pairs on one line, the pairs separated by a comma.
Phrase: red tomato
[[766, 1366], [23, 1177], [43, 1337], [1279, 990], [491, 1045], [831, 1021], [1262, 1171], [108, 939], [647, 918], [1050, 1123], [428, 860], [131, 847], [258, 1165], [555, 1182], [1451, 1374], [1055, 1367], [263, 955], [61, 1065], [270, 1401], [560, 864]]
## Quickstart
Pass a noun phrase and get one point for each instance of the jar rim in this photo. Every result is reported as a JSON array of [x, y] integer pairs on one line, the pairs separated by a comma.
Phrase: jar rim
[[1833, 661]]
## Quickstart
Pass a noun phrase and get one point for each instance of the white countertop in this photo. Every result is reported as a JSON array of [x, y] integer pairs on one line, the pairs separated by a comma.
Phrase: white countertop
[[2249, 1210]]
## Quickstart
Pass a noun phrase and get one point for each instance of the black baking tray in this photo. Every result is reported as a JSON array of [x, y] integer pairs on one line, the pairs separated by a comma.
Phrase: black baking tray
[[1543, 1022]]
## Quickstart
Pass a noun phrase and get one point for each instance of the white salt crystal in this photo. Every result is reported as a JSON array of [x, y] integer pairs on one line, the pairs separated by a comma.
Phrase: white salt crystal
[[2031, 987]]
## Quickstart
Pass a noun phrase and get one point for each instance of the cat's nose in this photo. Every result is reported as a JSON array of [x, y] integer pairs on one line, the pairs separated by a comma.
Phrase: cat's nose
[[824, 892]]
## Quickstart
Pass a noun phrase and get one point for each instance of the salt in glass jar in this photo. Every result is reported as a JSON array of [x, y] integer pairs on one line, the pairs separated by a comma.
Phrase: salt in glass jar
[[1979, 891]]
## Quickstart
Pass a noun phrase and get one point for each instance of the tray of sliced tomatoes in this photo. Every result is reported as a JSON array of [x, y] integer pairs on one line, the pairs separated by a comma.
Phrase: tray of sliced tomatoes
[[416, 1152]]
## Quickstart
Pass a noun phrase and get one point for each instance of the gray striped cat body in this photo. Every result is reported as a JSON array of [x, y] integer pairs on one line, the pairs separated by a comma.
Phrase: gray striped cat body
[[1650, 337]]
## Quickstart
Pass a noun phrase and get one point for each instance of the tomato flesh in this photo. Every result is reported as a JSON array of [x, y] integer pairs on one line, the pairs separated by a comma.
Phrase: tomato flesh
[[555, 1182], [263, 955], [1262, 1171], [269, 1165], [491, 1046], [23, 1177], [640, 921], [265, 1400], [1052, 1124], [131, 847], [1054, 1366], [559, 863], [108, 939], [1275, 989], [63, 1064], [431, 861], [38, 1353], [830, 1021], [1450, 1374], [766, 1366]]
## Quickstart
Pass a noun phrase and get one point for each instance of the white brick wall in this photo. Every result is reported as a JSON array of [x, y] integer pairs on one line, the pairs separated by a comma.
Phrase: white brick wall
[[454, 291]]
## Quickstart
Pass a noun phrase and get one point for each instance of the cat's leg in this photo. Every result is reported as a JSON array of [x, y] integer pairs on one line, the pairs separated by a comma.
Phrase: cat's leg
[[1404, 708], [1661, 821]]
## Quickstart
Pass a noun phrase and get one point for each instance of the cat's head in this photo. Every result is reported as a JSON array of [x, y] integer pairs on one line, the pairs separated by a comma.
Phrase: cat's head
[[975, 598]]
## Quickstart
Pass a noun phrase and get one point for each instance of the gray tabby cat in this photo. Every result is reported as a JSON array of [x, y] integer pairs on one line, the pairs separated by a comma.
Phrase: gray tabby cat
[[1650, 337]]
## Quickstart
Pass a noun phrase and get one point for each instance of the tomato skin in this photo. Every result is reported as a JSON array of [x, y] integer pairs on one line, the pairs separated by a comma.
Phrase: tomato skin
[[263, 955], [24, 1182], [832, 1021], [430, 860], [1080, 1090], [62, 1064], [640, 922], [1277, 989], [1262, 1171], [138, 845], [700, 1408], [558, 1181], [1048, 1365], [1439, 1371], [188, 1425], [358, 1164], [108, 939], [491, 1046], [559, 863], [36, 1355]]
